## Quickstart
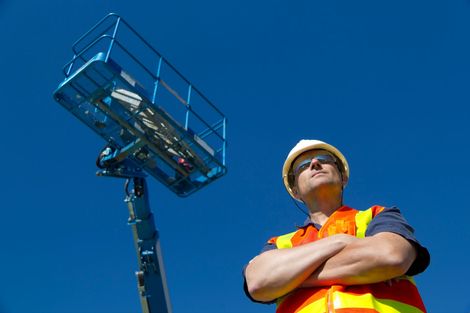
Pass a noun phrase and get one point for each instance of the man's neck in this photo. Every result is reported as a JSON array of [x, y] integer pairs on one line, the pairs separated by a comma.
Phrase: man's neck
[[321, 209]]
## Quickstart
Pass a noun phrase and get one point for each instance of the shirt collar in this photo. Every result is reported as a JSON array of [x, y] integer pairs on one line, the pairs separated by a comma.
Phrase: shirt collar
[[318, 226], [309, 222]]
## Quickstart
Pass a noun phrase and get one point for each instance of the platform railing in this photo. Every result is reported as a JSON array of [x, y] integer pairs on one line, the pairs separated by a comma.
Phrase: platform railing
[[132, 65], [104, 35]]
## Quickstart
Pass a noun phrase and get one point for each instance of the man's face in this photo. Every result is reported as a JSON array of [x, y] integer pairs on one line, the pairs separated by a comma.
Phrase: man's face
[[318, 174]]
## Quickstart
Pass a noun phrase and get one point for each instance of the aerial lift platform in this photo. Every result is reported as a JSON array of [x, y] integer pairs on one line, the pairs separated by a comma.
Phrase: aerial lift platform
[[154, 122]]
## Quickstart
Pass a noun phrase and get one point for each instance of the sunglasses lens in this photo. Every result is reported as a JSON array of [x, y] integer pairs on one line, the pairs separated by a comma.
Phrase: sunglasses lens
[[322, 158], [325, 159], [302, 166]]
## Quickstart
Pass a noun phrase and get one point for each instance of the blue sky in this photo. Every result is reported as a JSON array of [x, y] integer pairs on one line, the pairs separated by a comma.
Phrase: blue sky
[[387, 83]]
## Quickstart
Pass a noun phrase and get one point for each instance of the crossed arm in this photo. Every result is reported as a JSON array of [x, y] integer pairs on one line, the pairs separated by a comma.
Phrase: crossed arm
[[339, 259]]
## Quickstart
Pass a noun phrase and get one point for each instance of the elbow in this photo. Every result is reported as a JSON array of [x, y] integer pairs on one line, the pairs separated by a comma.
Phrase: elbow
[[257, 292], [399, 260], [257, 287], [393, 253]]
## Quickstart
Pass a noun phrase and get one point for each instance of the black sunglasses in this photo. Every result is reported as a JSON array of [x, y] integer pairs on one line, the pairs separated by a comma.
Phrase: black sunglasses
[[321, 158]]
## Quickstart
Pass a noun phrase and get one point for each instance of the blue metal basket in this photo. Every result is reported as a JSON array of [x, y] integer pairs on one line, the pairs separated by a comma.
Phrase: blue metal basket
[[123, 89]]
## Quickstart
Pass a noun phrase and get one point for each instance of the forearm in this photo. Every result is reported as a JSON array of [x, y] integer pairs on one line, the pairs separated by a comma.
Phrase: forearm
[[368, 260], [277, 272]]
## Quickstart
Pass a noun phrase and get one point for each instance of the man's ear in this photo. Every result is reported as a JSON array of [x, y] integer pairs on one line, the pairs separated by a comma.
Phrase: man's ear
[[295, 191]]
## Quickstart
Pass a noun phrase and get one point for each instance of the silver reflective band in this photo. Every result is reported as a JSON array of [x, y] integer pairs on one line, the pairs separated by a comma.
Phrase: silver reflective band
[[322, 158]]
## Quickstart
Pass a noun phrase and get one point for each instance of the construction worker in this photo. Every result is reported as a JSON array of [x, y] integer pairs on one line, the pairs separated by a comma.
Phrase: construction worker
[[341, 259]]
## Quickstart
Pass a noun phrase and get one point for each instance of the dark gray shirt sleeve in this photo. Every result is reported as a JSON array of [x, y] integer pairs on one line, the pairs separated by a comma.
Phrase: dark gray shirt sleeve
[[391, 220]]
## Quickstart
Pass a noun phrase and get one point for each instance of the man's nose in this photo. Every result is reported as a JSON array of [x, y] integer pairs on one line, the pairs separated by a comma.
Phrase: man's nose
[[314, 164]]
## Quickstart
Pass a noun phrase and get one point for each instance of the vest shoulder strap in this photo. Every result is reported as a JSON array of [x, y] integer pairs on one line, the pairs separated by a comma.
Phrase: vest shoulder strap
[[283, 241], [363, 219]]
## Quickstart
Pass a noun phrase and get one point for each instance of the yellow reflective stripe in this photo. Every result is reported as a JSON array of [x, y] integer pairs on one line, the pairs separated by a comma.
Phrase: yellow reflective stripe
[[367, 301], [362, 219], [314, 307], [284, 241]]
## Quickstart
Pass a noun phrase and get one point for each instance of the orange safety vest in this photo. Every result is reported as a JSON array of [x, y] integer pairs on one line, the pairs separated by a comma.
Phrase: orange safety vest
[[384, 297]]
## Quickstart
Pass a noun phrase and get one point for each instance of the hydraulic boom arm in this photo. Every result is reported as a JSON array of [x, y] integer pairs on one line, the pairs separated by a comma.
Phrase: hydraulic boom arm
[[151, 278]]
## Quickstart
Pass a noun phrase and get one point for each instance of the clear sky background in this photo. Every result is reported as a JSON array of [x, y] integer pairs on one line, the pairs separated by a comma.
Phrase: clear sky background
[[385, 82]]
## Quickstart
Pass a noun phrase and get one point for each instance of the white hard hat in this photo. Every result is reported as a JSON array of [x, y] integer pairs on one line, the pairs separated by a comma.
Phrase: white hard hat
[[307, 145]]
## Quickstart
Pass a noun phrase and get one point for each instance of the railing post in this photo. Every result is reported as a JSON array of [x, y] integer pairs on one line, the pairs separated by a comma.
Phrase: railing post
[[70, 66], [159, 67], [113, 38], [188, 101], [224, 145]]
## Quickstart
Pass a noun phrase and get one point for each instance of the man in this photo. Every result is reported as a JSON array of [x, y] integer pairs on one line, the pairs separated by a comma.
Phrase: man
[[341, 260]]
